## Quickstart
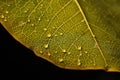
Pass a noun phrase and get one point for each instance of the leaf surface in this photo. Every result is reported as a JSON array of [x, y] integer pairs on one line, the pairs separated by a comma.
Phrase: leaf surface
[[72, 34]]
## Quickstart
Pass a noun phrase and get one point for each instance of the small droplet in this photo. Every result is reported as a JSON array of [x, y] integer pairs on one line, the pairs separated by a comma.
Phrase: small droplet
[[41, 52], [56, 35], [6, 12], [25, 11], [93, 35], [82, 20], [56, 51], [64, 51], [49, 54], [86, 52], [41, 5], [79, 48], [46, 46], [8, 5], [5, 19], [69, 52], [80, 54], [32, 24], [61, 34], [2, 16], [28, 20], [79, 63], [60, 60], [49, 35], [47, 20], [39, 19], [45, 29]]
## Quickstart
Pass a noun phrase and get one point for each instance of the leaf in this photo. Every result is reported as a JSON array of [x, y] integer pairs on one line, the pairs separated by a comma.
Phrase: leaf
[[71, 34]]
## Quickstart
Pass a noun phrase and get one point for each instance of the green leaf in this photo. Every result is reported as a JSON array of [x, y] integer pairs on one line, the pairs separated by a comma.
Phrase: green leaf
[[72, 34]]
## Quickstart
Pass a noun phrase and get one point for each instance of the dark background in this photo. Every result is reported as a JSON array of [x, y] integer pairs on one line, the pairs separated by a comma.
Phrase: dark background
[[21, 59]]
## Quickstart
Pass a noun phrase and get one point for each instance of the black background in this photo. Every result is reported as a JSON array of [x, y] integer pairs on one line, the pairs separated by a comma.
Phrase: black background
[[21, 59]]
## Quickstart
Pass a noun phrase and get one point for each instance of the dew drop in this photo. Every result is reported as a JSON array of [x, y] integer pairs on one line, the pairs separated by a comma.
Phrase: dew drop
[[93, 35], [2, 16], [45, 29], [69, 53], [86, 52], [56, 52], [32, 24], [49, 54], [49, 35], [80, 54], [39, 19], [60, 60], [8, 5], [64, 50], [61, 34], [82, 20], [47, 20], [56, 35], [6, 12], [5, 19], [41, 52], [79, 63], [28, 21], [46, 46], [79, 48], [41, 5]]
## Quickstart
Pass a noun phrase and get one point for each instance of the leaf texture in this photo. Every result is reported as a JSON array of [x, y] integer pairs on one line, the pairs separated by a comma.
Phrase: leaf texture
[[72, 34]]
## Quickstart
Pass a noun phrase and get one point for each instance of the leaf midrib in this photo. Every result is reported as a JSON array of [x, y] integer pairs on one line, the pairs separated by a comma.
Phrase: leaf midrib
[[89, 28]]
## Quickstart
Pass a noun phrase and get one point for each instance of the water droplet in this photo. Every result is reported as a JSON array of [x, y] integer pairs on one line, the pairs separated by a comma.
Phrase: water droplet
[[80, 54], [56, 52], [32, 24], [45, 29], [82, 20], [5, 19], [64, 51], [60, 60], [56, 35], [49, 54], [61, 34], [49, 35], [48, 20], [41, 52], [93, 35], [25, 11], [39, 19], [2, 16], [69, 52], [8, 5], [28, 20], [79, 63], [79, 48], [46, 46], [6, 12], [41, 5], [86, 52]]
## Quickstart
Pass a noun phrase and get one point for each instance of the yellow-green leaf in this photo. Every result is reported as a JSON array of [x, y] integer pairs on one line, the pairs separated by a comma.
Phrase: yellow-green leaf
[[72, 34]]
